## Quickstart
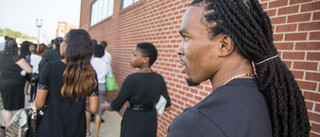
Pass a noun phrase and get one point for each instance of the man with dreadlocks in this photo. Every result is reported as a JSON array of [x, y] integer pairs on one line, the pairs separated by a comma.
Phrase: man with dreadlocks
[[221, 41]]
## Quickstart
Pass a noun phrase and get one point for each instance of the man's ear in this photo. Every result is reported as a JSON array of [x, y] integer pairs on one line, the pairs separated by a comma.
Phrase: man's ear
[[226, 45]]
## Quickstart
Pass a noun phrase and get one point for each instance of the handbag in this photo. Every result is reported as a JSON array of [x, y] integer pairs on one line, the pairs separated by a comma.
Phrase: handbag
[[34, 77], [161, 105], [111, 83], [24, 122], [18, 125]]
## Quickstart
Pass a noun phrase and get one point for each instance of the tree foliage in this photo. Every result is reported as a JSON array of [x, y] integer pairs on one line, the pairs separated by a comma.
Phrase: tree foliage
[[14, 34]]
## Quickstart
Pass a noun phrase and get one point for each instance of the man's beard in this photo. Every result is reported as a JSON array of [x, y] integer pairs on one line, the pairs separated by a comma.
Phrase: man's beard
[[192, 83]]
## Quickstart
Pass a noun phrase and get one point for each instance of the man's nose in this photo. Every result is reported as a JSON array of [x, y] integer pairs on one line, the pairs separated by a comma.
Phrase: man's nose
[[180, 50]]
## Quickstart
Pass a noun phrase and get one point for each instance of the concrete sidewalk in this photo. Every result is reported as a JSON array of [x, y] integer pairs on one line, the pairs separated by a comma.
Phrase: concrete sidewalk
[[111, 125], [110, 128]]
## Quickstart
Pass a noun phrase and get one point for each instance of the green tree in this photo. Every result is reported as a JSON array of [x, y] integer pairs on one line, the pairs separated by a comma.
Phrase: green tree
[[14, 34]]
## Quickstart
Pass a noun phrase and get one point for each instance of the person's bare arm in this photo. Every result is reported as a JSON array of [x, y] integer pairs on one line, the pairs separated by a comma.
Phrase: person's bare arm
[[105, 107], [93, 104], [41, 98], [22, 63], [167, 108]]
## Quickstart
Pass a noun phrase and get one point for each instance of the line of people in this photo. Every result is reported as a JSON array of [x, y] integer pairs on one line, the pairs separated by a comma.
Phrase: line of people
[[254, 93], [18, 70], [72, 80], [101, 62]]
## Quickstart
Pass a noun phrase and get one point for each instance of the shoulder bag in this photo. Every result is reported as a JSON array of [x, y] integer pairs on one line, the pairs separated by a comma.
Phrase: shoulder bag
[[24, 122], [111, 83]]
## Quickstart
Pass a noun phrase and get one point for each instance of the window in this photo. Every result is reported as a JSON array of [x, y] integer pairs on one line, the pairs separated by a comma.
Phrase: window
[[126, 3], [61, 29], [100, 10], [61, 32]]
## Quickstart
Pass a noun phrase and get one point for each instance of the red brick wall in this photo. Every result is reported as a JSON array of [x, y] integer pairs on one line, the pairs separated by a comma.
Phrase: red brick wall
[[296, 26]]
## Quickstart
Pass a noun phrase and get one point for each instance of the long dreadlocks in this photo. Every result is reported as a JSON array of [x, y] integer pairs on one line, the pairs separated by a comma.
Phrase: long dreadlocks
[[251, 31]]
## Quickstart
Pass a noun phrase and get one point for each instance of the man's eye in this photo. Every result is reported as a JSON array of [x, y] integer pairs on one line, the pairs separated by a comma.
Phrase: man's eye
[[185, 39]]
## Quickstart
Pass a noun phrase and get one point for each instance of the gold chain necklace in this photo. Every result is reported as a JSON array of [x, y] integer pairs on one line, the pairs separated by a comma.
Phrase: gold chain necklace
[[239, 76]]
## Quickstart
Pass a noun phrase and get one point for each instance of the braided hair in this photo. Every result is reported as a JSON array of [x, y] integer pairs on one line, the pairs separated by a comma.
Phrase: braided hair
[[251, 31]]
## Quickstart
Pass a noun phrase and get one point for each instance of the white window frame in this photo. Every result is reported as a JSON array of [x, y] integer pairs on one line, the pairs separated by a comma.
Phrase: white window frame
[[100, 10], [126, 3]]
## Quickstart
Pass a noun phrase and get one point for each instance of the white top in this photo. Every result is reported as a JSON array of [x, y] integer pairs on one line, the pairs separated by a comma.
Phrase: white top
[[2, 45], [107, 59], [34, 61], [99, 65]]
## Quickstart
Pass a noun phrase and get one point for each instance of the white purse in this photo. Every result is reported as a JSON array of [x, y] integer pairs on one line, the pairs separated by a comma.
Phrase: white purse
[[161, 105]]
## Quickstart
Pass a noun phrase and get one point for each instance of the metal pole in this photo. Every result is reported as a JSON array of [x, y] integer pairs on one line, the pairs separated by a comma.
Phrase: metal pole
[[38, 35], [39, 25]]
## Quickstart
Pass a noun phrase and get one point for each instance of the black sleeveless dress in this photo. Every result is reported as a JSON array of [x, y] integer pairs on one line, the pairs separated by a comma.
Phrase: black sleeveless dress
[[11, 82]]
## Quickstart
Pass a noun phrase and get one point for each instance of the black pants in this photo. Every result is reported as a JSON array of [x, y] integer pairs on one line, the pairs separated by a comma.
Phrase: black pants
[[33, 91]]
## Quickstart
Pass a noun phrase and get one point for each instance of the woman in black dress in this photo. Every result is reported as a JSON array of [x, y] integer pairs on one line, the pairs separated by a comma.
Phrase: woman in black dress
[[11, 80], [25, 53], [143, 90], [63, 88]]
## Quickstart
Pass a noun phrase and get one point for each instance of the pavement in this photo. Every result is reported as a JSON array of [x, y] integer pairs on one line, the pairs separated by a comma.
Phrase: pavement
[[111, 125], [110, 128]]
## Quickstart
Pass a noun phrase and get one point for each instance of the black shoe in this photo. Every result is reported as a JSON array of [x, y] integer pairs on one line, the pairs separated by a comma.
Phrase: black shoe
[[92, 117], [102, 120], [3, 131]]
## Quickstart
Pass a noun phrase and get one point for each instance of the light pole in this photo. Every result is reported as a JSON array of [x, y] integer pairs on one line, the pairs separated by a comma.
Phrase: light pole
[[39, 25]]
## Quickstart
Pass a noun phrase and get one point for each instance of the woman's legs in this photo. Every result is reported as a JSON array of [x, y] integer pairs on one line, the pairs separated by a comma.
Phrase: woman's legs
[[98, 123], [102, 98], [88, 118], [26, 88], [6, 116]]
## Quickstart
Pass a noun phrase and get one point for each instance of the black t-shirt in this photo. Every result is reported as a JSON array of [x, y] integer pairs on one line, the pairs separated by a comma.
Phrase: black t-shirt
[[237, 109], [64, 117]]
